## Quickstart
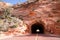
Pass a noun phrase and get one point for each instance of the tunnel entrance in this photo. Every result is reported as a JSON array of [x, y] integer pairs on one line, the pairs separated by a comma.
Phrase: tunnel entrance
[[37, 28]]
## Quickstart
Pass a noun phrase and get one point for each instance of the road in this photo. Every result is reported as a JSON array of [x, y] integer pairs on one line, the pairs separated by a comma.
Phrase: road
[[33, 37]]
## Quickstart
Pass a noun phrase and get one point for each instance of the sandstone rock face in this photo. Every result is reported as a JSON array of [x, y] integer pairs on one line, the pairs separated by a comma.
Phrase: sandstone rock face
[[46, 12], [29, 1], [4, 5]]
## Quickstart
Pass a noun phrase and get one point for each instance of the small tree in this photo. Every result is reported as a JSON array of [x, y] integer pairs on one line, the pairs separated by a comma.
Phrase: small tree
[[7, 13]]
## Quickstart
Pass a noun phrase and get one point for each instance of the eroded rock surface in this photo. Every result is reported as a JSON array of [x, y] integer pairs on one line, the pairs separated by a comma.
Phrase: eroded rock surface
[[46, 12]]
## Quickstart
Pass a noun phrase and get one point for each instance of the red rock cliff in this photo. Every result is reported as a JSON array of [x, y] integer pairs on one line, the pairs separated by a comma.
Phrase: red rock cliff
[[46, 12]]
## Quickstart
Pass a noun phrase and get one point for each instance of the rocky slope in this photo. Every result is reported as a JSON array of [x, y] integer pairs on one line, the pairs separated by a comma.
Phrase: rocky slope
[[3, 6], [46, 12], [40, 10]]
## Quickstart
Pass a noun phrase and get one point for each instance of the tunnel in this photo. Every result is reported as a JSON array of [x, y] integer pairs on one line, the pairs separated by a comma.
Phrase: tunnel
[[37, 28]]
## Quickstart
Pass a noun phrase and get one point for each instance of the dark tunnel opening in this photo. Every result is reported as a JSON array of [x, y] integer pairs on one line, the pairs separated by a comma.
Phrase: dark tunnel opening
[[37, 28]]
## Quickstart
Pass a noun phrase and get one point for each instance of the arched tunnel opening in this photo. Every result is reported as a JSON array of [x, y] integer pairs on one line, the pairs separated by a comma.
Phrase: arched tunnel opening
[[37, 28]]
